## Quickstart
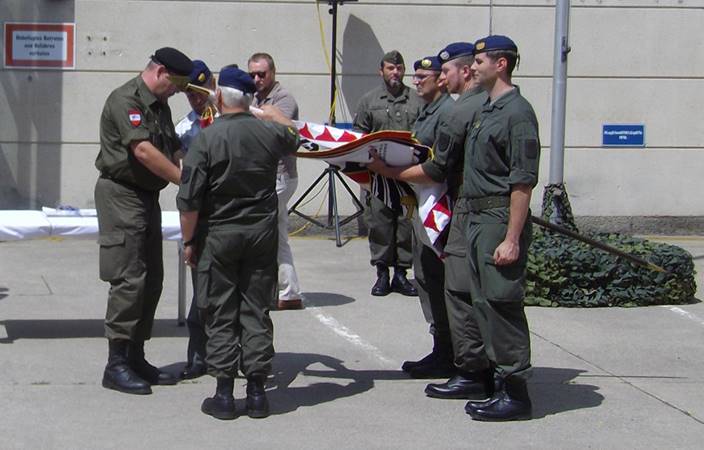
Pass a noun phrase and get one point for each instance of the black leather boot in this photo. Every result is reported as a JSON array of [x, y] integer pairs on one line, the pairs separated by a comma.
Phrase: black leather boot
[[119, 375], [510, 402], [382, 286], [438, 364], [257, 405], [145, 370], [222, 404], [401, 284], [464, 385]]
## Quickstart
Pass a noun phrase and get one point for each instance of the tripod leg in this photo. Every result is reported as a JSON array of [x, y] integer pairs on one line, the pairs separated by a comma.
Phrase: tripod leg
[[332, 206], [310, 188]]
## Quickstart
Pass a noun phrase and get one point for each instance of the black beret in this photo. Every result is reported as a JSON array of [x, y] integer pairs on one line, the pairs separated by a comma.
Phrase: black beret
[[174, 61]]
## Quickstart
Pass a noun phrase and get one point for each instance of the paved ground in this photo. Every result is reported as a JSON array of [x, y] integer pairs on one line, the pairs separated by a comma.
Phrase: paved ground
[[604, 378]]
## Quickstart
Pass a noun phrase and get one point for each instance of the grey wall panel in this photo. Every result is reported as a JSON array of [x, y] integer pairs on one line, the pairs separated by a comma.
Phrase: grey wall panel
[[636, 42], [637, 182]]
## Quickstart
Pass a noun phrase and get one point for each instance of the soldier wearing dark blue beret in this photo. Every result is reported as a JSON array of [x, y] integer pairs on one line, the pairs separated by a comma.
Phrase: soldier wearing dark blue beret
[[504, 151], [228, 205]]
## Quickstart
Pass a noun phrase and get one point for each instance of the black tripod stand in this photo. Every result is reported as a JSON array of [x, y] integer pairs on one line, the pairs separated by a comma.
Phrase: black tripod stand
[[331, 172]]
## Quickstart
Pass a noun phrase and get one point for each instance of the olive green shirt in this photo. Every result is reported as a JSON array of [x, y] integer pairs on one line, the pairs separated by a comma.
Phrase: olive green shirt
[[453, 128], [229, 172], [425, 128], [379, 110], [132, 113], [504, 148]]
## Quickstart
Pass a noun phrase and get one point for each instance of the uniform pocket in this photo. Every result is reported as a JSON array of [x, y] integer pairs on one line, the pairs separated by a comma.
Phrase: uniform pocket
[[202, 284], [113, 255], [504, 283]]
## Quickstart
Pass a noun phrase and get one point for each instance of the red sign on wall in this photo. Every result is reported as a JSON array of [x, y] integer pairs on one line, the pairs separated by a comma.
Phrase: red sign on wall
[[40, 45]]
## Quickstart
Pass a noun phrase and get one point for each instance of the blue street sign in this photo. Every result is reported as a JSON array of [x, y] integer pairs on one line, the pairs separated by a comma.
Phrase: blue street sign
[[616, 135]]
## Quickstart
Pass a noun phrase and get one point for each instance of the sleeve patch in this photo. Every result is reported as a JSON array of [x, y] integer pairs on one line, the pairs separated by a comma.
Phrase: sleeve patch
[[530, 148], [135, 117], [186, 174]]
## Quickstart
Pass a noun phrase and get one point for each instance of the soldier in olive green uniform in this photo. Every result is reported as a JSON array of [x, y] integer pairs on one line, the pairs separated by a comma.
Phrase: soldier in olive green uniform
[[137, 142], [473, 378], [500, 171], [228, 207], [427, 266], [391, 106]]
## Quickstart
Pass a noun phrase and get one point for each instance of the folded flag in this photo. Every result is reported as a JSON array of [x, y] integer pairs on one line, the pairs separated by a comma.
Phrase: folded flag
[[350, 152]]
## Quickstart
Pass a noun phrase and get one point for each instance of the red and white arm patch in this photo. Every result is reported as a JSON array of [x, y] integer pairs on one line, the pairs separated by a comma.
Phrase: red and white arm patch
[[135, 117]]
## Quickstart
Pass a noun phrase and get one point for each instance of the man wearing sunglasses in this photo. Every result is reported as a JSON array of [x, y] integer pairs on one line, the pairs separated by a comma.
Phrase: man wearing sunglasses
[[137, 146], [270, 92]]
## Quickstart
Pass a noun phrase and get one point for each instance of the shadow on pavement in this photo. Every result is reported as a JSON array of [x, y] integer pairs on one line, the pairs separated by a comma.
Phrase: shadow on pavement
[[76, 328], [343, 382], [3, 292], [553, 391], [326, 299]]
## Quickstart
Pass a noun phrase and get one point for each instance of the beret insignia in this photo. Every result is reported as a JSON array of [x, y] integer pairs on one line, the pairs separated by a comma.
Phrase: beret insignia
[[444, 55], [480, 45], [201, 77], [426, 63]]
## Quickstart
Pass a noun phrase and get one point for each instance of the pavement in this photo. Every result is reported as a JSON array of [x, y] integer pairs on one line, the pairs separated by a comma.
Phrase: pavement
[[603, 378]]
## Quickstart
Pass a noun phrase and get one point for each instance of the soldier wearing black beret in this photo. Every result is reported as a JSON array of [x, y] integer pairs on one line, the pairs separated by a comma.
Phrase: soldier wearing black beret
[[137, 145]]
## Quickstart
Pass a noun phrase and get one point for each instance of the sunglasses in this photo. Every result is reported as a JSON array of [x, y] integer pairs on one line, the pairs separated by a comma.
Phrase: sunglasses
[[257, 74]]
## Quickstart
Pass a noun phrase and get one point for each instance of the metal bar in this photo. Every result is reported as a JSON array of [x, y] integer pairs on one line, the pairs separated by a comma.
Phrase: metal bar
[[597, 244], [559, 91], [181, 285]]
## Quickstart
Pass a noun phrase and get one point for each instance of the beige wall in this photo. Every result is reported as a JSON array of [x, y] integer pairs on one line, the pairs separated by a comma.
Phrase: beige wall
[[632, 61]]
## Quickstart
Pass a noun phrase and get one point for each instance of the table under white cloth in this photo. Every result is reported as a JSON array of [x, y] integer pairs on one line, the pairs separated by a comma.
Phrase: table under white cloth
[[16, 225]]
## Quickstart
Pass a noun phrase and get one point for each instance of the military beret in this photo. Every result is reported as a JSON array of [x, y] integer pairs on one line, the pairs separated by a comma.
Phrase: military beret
[[235, 78], [393, 57], [200, 73], [428, 63], [494, 43], [455, 50], [174, 61]]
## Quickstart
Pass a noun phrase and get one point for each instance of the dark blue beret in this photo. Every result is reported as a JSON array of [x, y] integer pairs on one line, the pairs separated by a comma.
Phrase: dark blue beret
[[174, 61], [428, 63], [238, 79], [494, 43], [200, 73], [455, 50]]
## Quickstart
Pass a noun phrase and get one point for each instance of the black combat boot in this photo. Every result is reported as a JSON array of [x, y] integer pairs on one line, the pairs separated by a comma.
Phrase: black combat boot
[[222, 404], [145, 370], [118, 374], [382, 286], [509, 402], [401, 284], [464, 385], [437, 364], [257, 405]]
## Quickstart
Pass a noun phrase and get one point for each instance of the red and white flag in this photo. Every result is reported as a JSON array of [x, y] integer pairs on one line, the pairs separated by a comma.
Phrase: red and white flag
[[350, 152]]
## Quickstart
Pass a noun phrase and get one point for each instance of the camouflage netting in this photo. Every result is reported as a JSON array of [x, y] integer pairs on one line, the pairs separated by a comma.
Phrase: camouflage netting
[[565, 272]]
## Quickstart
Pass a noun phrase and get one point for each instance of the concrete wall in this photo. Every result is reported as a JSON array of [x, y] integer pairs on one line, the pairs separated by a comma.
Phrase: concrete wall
[[632, 61]]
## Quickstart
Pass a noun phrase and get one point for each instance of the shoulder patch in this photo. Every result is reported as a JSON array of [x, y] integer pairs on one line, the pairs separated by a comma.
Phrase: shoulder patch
[[186, 174], [135, 117], [530, 147]]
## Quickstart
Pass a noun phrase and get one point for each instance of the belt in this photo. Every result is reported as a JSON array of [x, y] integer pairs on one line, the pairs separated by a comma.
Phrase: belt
[[482, 203]]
